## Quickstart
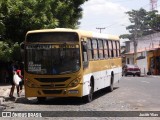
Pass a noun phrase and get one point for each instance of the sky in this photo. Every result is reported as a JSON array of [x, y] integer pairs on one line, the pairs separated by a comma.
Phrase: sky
[[110, 14]]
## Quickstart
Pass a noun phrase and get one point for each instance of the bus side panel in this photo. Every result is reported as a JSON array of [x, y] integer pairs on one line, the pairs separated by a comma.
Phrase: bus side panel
[[101, 78], [117, 74], [107, 78], [86, 84]]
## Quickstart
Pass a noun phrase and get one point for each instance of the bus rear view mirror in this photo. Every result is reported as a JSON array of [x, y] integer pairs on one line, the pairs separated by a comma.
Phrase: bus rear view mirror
[[22, 45], [84, 46]]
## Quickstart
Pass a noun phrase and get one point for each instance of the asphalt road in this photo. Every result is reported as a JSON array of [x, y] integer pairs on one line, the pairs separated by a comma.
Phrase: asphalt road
[[142, 93], [131, 94]]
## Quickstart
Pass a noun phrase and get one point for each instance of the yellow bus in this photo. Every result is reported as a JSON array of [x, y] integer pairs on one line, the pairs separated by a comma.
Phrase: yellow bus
[[64, 62]]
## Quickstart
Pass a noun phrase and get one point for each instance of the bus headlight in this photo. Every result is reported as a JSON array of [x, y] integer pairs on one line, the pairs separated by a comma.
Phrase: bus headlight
[[74, 83], [31, 84]]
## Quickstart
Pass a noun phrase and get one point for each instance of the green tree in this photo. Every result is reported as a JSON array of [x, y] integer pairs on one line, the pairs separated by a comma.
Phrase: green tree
[[155, 21], [23, 15], [9, 52], [2, 27], [19, 16], [68, 12], [142, 23]]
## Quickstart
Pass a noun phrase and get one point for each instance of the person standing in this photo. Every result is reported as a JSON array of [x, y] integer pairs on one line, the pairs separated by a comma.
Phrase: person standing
[[20, 86], [11, 71]]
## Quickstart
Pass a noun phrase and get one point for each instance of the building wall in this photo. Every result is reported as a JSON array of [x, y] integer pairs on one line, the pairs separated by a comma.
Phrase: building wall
[[142, 63], [145, 43]]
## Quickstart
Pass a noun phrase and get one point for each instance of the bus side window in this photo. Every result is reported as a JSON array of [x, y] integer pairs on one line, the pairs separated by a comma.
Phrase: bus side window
[[89, 46], [84, 53], [110, 50], [105, 46], [100, 49], [114, 49], [118, 48], [95, 49]]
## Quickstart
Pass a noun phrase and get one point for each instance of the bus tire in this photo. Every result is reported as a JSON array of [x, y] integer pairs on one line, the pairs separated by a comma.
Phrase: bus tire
[[88, 98], [41, 99], [110, 88]]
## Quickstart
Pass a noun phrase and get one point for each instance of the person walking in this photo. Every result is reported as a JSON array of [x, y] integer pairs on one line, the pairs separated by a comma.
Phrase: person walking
[[14, 70], [11, 70], [20, 86]]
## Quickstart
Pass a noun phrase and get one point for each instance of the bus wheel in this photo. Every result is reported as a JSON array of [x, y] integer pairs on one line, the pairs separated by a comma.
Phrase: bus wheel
[[41, 99], [110, 88], [89, 97]]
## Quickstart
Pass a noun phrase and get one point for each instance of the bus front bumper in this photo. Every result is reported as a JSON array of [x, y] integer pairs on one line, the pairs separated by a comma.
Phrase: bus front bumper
[[54, 92]]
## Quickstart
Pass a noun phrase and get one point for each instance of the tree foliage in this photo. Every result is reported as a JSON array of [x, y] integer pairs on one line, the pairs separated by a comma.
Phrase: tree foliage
[[23, 15], [2, 28], [9, 52], [19, 16], [142, 23]]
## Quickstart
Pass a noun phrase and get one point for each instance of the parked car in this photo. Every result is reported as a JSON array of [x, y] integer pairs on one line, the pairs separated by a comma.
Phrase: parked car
[[129, 69]]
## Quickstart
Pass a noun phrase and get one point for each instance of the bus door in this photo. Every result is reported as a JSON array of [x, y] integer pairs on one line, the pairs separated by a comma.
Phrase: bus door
[[84, 54]]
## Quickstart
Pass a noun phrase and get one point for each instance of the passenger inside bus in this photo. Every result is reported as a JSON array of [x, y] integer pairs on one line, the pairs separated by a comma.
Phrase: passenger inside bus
[[54, 70]]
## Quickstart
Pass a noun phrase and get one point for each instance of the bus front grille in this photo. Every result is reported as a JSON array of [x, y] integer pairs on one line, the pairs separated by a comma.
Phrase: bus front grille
[[52, 79], [54, 86], [52, 91]]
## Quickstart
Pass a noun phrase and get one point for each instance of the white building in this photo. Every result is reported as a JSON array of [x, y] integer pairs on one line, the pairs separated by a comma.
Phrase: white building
[[145, 46]]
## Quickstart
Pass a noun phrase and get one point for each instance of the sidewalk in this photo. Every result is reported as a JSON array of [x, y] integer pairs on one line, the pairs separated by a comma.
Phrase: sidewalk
[[4, 92]]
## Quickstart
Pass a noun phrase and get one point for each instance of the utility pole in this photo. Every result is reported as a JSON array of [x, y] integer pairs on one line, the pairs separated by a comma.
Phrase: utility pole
[[135, 37], [101, 29]]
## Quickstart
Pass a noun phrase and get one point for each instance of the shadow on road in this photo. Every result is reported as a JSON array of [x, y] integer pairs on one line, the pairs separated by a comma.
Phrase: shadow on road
[[9, 99], [62, 100]]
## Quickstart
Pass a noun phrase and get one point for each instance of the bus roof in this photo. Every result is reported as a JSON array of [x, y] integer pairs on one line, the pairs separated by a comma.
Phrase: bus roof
[[80, 32]]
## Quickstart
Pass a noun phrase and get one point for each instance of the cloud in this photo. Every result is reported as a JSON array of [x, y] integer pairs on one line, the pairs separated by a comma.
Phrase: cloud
[[99, 7], [98, 13]]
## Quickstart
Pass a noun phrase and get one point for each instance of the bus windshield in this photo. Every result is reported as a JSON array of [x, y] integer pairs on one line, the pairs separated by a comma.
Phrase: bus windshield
[[52, 58]]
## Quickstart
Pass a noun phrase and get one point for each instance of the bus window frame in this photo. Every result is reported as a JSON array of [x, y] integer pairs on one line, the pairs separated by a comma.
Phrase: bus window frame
[[100, 49], [110, 48], [114, 48], [95, 51], [118, 48], [89, 46], [84, 52], [105, 49]]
